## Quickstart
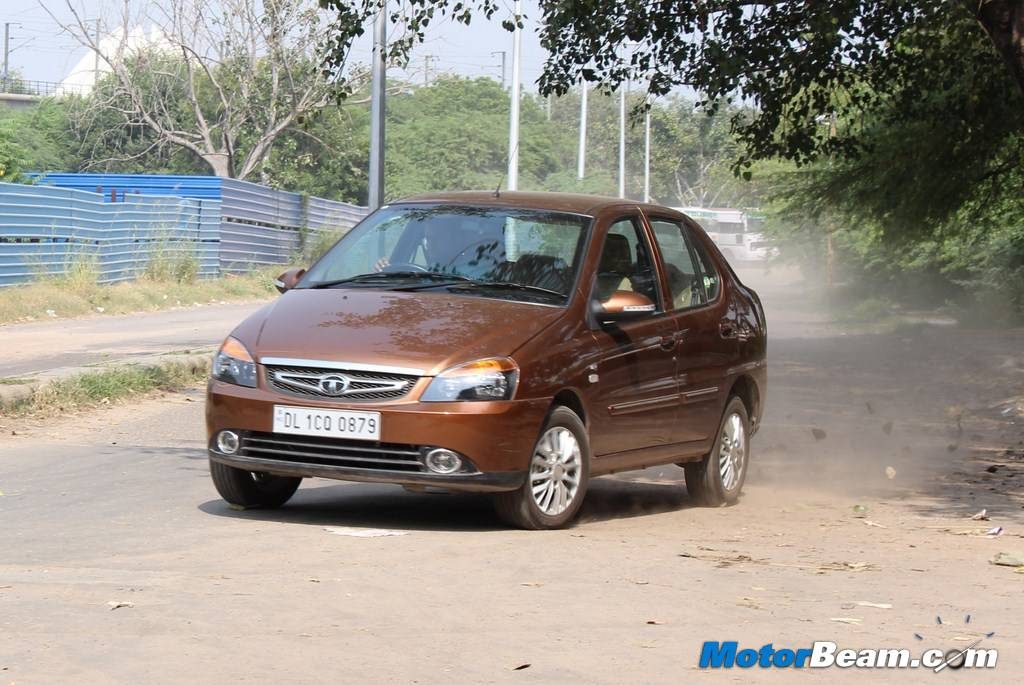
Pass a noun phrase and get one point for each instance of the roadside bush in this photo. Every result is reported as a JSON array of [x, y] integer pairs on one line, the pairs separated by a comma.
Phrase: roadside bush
[[172, 261], [316, 243]]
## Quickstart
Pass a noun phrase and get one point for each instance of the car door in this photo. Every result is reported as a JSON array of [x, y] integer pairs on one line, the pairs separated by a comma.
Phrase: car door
[[698, 307], [632, 391]]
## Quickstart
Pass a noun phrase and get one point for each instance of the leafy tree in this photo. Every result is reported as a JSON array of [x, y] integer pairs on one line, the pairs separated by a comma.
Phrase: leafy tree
[[221, 83], [791, 60], [11, 156], [931, 199], [42, 134]]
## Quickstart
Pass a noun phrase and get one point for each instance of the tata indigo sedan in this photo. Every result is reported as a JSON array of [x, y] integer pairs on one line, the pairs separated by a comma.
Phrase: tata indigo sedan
[[517, 344]]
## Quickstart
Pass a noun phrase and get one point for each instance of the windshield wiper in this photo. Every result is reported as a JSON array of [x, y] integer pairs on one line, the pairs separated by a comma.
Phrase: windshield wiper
[[389, 275], [507, 285]]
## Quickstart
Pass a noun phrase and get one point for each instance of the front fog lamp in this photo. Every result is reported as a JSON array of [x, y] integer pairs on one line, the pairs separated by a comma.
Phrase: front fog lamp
[[443, 461], [483, 380], [227, 442], [234, 364]]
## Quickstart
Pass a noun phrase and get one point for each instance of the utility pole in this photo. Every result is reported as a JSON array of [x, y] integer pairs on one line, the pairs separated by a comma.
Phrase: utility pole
[[513, 124], [502, 53], [581, 161], [96, 58], [622, 140], [378, 108], [647, 155], [426, 68], [7, 55]]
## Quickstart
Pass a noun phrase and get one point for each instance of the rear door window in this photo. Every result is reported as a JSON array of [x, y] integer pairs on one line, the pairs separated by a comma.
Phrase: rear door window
[[709, 275], [685, 278]]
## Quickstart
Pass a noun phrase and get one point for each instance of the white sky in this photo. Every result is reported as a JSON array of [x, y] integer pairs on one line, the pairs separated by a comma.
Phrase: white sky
[[40, 52]]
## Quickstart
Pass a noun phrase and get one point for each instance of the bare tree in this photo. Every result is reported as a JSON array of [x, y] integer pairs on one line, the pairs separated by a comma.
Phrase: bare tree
[[221, 79]]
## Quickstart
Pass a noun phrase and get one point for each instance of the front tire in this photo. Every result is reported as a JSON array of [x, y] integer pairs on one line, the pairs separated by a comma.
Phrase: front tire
[[718, 478], [252, 489], [557, 476]]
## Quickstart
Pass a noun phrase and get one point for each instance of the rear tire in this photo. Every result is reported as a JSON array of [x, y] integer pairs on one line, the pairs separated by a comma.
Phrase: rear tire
[[252, 489], [718, 478], [556, 476]]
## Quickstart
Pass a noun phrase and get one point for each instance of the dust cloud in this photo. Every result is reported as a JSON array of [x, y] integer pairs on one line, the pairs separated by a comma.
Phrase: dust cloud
[[893, 408]]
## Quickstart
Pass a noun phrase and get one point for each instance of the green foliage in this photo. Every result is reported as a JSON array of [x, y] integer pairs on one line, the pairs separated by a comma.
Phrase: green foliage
[[12, 157], [932, 208], [172, 261], [792, 61], [108, 385]]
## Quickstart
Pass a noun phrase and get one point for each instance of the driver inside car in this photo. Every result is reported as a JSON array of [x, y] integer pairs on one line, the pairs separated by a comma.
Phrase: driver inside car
[[439, 249]]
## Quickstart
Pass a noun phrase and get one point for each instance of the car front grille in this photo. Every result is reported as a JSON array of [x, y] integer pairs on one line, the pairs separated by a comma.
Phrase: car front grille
[[358, 454], [359, 386]]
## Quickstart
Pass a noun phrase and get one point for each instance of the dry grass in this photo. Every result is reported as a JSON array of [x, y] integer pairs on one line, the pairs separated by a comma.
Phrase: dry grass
[[77, 293], [108, 385]]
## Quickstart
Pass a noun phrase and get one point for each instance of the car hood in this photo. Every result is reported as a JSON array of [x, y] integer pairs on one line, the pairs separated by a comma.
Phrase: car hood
[[425, 331]]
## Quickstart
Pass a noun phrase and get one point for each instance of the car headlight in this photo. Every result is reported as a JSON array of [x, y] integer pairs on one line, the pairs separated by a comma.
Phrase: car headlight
[[483, 380], [234, 364]]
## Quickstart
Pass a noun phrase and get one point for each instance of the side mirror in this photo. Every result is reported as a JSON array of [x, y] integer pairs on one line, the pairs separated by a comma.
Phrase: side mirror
[[288, 279], [623, 305]]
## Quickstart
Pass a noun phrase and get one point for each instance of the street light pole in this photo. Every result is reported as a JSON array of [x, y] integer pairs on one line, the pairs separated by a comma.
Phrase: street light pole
[[378, 109], [647, 155], [513, 127], [622, 140], [581, 162], [7, 54], [502, 53]]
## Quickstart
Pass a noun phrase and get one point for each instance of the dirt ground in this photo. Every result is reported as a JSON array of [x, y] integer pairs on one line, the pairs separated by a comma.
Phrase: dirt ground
[[877, 447]]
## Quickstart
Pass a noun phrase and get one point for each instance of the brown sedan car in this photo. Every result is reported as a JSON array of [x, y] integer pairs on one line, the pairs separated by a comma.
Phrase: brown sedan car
[[518, 344]]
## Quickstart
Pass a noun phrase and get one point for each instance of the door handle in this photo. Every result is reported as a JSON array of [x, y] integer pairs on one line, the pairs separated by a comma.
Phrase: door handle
[[669, 342]]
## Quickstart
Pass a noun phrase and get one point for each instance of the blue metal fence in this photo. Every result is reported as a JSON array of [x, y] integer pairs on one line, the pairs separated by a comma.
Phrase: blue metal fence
[[123, 218], [44, 230]]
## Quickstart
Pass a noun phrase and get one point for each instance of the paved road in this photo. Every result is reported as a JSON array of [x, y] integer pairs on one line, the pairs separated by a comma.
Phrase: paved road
[[51, 347], [116, 506]]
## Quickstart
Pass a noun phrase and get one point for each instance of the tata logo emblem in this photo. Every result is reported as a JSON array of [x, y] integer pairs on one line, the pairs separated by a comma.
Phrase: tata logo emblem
[[333, 385]]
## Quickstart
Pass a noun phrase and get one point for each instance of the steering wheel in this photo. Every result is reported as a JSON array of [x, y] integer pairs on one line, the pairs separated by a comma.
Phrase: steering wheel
[[404, 266], [467, 248]]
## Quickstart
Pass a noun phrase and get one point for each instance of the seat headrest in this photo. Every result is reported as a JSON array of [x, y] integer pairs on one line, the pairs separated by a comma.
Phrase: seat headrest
[[617, 257]]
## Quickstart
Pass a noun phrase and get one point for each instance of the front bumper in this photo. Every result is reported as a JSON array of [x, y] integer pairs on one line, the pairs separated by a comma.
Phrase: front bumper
[[474, 482], [497, 438]]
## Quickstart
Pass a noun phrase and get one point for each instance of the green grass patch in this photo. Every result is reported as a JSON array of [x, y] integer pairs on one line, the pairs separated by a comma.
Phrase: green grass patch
[[108, 385]]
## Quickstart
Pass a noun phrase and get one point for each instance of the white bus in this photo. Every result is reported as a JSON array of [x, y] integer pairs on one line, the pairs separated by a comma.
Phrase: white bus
[[737, 233]]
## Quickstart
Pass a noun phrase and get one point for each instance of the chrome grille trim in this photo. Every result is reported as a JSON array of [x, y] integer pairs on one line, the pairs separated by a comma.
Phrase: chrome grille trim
[[341, 366], [332, 452], [355, 385]]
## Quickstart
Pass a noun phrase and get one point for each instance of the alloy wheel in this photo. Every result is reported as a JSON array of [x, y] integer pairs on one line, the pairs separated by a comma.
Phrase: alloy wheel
[[555, 470], [732, 455]]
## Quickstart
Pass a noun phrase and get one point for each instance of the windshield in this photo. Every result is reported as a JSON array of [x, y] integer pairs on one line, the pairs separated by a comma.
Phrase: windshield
[[501, 252]]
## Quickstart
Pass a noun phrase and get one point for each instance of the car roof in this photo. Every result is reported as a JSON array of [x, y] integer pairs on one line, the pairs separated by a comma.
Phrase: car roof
[[575, 203]]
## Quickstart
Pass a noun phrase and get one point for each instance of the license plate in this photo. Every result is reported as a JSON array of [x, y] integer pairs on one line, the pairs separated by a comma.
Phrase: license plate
[[328, 423]]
